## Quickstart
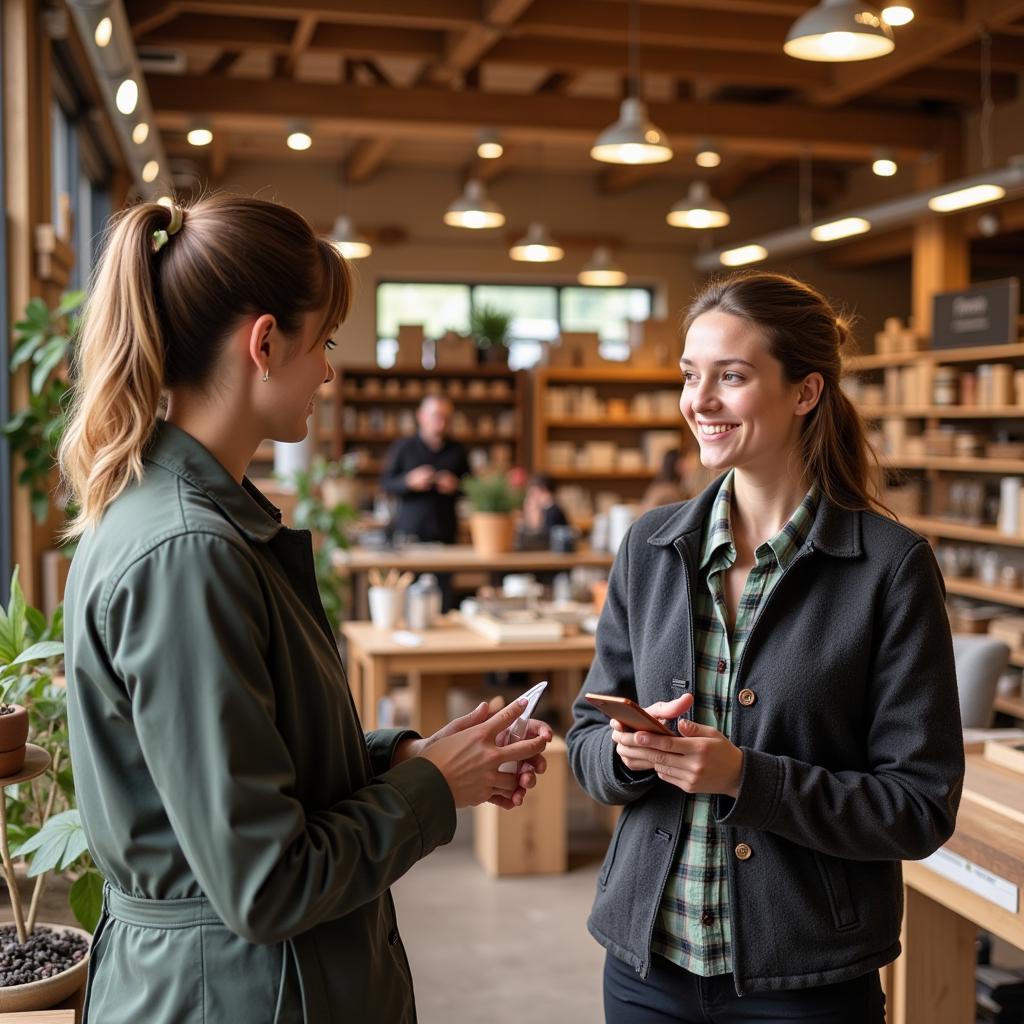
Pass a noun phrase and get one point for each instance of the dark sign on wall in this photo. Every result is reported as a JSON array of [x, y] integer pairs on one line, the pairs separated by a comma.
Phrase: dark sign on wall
[[983, 315]]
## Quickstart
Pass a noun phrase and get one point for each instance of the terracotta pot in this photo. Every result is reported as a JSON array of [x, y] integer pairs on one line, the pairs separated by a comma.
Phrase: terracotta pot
[[599, 591], [13, 735], [492, 532], [41, 995]]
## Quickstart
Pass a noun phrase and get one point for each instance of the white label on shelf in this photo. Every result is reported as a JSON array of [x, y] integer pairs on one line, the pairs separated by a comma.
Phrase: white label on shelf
[[968, 874]]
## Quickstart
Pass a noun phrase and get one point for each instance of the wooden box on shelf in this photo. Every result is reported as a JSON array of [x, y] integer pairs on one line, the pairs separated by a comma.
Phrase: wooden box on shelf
[[532, 840], [655, 344], [410, 346], [454, 352]]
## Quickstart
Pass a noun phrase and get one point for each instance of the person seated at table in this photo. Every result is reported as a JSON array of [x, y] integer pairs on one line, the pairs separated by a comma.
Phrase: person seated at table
[[424, 472], [541, 510]]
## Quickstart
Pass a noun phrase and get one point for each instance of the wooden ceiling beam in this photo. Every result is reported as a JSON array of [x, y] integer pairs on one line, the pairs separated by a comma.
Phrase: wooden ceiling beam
[[656, 25], [465, 50], [445, 15], [615, 180], [718, 66], [921, 49], [224, 63], [778, 129], [924, 10], [487, 170], [276, 35], [366, 159], [303, 33], [963, 87], [1007, 54]]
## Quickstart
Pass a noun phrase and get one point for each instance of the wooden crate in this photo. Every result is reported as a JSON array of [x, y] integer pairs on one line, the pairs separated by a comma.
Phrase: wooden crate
[[532, 839]]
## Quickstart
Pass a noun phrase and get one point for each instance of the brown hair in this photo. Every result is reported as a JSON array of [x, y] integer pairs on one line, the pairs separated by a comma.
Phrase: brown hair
[[158, 319], [805, 334]]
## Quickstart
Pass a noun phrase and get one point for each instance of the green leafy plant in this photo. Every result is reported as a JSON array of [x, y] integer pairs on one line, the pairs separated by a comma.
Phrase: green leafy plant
[[492, 492], [490, 326], [43, 823], [328, 524], [43, 339]]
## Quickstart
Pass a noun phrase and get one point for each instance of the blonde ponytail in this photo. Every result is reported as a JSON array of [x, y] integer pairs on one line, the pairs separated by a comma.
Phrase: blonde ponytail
[[120, 370]]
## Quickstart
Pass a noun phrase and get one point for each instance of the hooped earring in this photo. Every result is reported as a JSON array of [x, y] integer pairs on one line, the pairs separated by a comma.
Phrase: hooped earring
[[266, 376]]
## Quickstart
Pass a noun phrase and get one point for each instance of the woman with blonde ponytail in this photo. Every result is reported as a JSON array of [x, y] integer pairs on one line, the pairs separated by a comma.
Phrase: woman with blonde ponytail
[[794, 639], [247, 829]]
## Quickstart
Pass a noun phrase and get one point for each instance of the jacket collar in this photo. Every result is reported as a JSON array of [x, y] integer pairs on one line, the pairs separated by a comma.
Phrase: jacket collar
[[836, 531], [242, 504]]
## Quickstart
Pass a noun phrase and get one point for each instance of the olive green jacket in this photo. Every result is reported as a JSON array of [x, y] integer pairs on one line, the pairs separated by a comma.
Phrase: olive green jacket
[[247, 829]]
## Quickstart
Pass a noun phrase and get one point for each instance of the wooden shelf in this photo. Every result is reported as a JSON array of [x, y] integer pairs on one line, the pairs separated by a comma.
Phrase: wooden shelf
[[384, 438], [474, 372], [610, 375], [953, 464], [581, 424], [942, 412], [939, 527], [382, 399], [969, 354], [1013, 706], [996, 595], [599, 474]]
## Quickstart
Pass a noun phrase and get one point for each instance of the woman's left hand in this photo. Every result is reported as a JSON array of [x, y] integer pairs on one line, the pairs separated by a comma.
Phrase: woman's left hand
[[700, 760], [528, 770]]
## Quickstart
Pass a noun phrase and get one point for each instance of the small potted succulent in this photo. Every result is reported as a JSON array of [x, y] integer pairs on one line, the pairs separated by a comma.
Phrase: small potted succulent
[[490, 327], [41, 964], [493, 498]]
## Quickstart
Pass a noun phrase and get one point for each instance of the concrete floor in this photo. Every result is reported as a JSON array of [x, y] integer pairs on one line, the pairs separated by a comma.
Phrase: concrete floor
[[503, 950]]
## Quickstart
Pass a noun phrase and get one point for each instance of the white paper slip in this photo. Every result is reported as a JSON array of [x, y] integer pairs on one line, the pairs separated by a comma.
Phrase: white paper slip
[[407, 639], [968, 874]]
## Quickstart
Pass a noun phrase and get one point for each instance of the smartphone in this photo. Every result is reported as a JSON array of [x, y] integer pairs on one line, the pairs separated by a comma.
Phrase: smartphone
[[628, 712], [517, 730]]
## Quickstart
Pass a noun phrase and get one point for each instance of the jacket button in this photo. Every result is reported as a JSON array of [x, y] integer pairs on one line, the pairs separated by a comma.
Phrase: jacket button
[[743, 852], [721, 664], [393, 937], [706, 917], [747, 697]]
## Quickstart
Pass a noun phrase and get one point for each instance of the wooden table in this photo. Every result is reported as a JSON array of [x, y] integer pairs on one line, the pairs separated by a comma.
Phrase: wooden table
[[933, 981], [447, 650], [417, 558]]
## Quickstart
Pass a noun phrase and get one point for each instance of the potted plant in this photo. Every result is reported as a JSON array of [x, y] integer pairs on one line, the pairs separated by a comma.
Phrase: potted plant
[[493, 498], [328, 522], [41, 964], [490, 328]]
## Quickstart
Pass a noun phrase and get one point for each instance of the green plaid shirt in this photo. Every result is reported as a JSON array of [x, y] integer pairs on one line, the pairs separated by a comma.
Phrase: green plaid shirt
[[693, 928]]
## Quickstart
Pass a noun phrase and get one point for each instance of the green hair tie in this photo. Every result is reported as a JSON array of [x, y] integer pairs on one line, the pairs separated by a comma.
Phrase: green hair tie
[[161, 235]]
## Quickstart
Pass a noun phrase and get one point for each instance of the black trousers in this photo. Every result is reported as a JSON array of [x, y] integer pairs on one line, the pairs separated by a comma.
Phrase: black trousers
[[671, 995]]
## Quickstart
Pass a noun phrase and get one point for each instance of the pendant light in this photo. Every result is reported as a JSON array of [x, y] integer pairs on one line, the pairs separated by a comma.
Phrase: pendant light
[[839, 30], [488, 145], [347, 241], [602, 271], [536, 246], [698, 210], [473, 209], [632, 139], [897, 13]]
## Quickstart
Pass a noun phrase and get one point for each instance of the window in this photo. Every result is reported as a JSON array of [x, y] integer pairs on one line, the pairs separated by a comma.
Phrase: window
[[541, 313], [6, 497]]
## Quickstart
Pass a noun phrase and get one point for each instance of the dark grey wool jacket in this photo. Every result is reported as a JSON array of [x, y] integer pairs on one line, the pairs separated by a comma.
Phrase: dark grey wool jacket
[[853, 749]]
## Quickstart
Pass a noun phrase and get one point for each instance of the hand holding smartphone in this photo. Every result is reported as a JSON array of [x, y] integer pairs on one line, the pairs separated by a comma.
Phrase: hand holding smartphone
[[628, 713]]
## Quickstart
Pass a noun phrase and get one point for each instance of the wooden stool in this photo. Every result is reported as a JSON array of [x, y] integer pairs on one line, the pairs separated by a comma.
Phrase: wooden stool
[[532, 839]]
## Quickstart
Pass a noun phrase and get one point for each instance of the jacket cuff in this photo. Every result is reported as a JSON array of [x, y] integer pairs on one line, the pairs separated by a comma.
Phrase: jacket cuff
[[382, 744], [758, 796], [427, 792], [620, 778]]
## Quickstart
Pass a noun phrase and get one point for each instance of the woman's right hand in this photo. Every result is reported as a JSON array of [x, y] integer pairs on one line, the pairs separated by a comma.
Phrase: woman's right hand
[[469, 759]]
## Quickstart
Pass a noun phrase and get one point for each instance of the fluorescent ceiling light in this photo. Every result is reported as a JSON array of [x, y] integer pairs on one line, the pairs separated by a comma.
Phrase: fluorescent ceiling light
[[473, 209], [536, 247], [632, 139], [839, 30], [840, 229], [601, 271], [743, 255], [959, 199]]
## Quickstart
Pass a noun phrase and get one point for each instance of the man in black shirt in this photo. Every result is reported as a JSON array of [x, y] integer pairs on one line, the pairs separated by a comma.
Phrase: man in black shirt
[[425, 472]]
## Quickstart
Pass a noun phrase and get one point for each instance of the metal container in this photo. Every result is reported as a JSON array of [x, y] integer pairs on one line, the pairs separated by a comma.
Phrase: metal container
[[423, 602]]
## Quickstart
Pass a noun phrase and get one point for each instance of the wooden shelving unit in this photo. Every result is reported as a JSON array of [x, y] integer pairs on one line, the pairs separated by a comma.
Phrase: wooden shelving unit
[[492, 400], [938, 473], [621, 422]]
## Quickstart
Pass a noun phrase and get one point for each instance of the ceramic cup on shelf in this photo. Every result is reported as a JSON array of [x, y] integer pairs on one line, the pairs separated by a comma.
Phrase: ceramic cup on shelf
[[386, 606]]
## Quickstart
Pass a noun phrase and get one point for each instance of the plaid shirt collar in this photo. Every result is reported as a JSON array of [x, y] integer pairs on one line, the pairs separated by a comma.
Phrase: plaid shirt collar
[[718, 539]]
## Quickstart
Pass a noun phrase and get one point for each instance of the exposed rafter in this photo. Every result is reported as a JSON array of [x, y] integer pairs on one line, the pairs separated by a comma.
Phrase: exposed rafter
[[366, 159]]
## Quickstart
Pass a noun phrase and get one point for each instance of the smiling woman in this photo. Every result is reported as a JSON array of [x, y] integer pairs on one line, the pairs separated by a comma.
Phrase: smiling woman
[[805, 668]]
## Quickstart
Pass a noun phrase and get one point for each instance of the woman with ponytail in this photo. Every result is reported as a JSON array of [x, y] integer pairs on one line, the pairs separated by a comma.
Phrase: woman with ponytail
[[247, 830], [793, 639]]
